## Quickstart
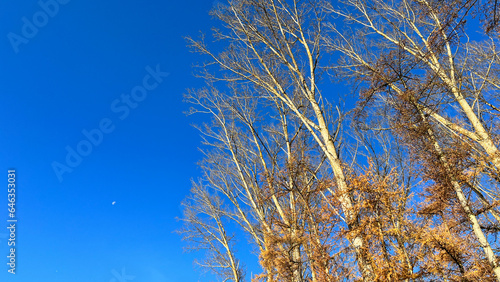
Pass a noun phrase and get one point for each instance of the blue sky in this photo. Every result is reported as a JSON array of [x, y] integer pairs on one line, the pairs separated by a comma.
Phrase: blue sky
[[64, 78]]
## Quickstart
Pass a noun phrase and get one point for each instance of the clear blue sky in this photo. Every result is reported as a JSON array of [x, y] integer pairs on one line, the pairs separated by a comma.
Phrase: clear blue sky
[[66, 79]]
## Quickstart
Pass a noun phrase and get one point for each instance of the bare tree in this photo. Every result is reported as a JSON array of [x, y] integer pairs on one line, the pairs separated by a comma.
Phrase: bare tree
[[205, 227], [273, 174], [276, 46]]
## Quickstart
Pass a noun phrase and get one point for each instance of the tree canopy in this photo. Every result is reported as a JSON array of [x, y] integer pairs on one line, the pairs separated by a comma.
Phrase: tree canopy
[[349, 140]]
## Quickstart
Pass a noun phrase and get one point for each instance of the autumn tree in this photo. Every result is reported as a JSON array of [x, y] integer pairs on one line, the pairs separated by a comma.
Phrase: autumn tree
[[397, 183], [271, 173], [417, 57], [276, 46]]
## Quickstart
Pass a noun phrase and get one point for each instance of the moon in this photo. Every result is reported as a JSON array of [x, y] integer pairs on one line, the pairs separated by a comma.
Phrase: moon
[[113, 203]]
